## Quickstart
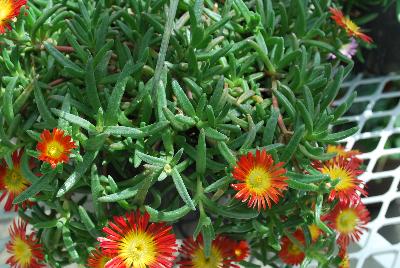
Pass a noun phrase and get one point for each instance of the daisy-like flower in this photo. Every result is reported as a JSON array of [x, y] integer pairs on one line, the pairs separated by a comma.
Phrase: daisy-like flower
[[9, 9], [315, 232], [291, 253], [134, 242], [346, 171], [54, 147], [25, 250], [98, 259], [349, 50], [346, 154], [261, 181], [12, 182], [348, 25], [240, 250], [193, 253], [348, 221]]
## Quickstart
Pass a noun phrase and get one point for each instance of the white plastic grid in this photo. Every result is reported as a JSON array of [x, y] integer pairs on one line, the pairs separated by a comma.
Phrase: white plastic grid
[[380, 246]]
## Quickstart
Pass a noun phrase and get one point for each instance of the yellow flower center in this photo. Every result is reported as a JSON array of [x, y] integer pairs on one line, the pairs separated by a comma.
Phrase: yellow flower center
[[22, 252], [345, 263], [5, 10], [14, 181], [314, 231], [351, 26], [346, 221], [293, 249], [238, 252], [338, 173], [214, 261], [138, 249], [258, 180], [54, 149]]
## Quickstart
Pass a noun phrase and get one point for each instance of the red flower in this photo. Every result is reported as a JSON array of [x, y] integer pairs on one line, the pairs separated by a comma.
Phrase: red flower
[[260, 180], [346, 172], [98, 259], [12, 182], [134, 242], [348, 25], [347, 155], [25, 250], [193, 253], [240, 250], [9, 9], [54, 147], [291, 253], [348, 221]]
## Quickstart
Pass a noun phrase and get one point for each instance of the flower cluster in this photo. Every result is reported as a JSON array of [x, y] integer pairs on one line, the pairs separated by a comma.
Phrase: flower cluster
[[126, 128]]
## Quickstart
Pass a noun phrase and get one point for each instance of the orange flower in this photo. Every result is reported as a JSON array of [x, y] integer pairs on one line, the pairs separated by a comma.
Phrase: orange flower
[[12, 182], [240, 250], [193, 253], [134, 242], [346, 171], [25, 250], [348, 221], [54, 147], [291, 253], [260, 180], [348, 25], [341, 151], [98, 259], [9, 9], [315, 232]]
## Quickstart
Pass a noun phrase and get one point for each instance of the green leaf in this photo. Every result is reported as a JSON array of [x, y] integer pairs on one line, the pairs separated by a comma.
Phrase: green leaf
[[42, 107], [7, 108], [218, 184], [239, 212], [201, 156], [269, 130], [43, 18], [122, 195], [35, 188], [226, 153], [80, 170], [306, 178], [168, 216], [74, 119], [215, 134], [183, 100], [87, 221], [181, 188], [92, 94], [301, 186], [293, 144], [339, 135], [62, 60], [111, 116], [151, 159], [125, 132], [69, 244]]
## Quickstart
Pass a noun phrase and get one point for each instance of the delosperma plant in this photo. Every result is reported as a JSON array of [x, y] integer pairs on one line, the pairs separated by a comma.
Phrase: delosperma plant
[[127, 126]]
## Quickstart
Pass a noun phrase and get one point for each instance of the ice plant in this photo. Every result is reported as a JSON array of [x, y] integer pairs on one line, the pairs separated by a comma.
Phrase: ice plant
[[98, 259], [134, 242], [9, 9], [346, 172], [348, 221], [348, 25], [290, 252], [240, 250], [12, 182], [261, 181], [54, 147], [192, 252], [25, 250], [345, 261]]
